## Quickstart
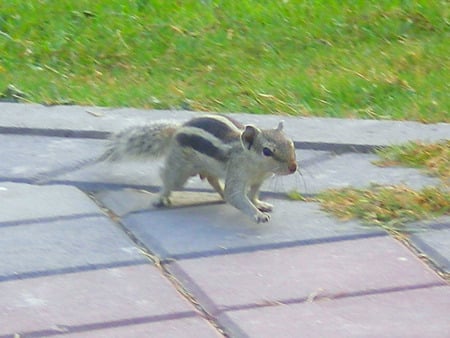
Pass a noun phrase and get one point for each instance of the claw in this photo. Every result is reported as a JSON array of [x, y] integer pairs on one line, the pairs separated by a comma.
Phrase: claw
[[162, 202], [262, 217]]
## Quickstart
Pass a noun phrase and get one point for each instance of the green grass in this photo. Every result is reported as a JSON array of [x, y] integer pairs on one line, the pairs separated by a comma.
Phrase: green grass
[[387, 206], [432, 157], [393, 206], [369, 59], [390, 207]]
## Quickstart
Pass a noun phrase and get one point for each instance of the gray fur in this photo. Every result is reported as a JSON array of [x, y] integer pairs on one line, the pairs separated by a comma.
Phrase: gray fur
[[202, 145], [150, 141], [216, 148], [227, 132]]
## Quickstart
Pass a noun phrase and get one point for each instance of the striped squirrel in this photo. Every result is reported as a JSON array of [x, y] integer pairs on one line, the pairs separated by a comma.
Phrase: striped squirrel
[[214, 147]]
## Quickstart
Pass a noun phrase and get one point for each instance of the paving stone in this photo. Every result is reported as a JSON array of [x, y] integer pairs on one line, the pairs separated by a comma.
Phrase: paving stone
[[129, 299], [54, 236], [147, 173], [24, 202], [26, 157], [347, 170], [435, 244], [335, 131], [296, 274], [63, 245], [220, 229], [408, 313], [119, 174], [143, 174], [126, 201], [320, 170], [192, 327], [80, 118], [308, 130]]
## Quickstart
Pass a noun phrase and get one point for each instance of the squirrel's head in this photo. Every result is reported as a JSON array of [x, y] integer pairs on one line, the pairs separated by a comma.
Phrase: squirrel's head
[[275, 149]]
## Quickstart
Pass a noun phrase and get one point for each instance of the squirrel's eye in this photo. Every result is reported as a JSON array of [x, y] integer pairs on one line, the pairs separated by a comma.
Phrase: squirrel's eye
[[267, 152]]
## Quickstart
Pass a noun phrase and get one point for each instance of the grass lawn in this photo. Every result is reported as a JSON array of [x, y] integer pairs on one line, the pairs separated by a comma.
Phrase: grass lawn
[[393, 206], [434, 158], [368, 59]]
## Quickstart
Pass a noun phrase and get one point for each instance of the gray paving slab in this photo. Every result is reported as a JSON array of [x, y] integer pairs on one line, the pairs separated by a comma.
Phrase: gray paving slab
[[334, 131], [147, 173], [126, 201], [219, 229], [79, 118], [192, 327], [435, 244], [307, 130], [62, 246], [298, 274], [29, 203], [26, 157], [342, 275], [348, 170], [321, 171], [127, 299], [123, 173], [408, 313]]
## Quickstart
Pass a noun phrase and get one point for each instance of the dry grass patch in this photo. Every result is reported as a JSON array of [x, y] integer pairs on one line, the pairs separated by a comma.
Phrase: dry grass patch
[[393, 206], [433, 157], [387, 206]]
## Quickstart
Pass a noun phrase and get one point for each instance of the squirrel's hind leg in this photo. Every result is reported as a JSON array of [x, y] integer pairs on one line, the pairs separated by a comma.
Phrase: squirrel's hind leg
[[215, 183], [174, 175]]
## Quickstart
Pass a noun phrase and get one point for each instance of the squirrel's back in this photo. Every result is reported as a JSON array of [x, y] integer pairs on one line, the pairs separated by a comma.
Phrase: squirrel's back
[[216, 148], [146, 141], [204, 134]]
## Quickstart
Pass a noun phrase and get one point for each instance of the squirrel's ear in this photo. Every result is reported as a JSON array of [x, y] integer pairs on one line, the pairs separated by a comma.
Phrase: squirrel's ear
[[280, 126], [248, 136]]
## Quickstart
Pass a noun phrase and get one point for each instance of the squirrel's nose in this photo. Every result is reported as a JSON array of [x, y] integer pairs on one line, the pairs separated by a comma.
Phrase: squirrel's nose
[[292, 167]]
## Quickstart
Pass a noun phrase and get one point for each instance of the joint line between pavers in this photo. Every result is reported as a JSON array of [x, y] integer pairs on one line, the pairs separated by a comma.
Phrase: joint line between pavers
[[338, 148], [316, 159], [101, 135], [433, 257], [84, 328], [369, 292], [71, 270], [44, 177], [189, 289], [16, 180], [438, 226], [165, 272], [49, 219], [273, 246], [65, 133], [317, 297], [145, 251], [97, 186]]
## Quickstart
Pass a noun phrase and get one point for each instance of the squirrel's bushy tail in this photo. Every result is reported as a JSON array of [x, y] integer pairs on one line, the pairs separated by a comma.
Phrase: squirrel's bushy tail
[[150, 141]]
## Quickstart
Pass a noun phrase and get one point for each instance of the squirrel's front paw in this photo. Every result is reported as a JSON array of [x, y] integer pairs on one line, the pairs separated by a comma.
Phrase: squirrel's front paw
[[263, 206], [162, 202], [262, 217]]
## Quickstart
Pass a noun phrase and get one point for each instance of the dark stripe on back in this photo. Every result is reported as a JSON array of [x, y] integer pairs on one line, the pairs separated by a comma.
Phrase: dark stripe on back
[[236, 123], [201, 145], [216, 127]]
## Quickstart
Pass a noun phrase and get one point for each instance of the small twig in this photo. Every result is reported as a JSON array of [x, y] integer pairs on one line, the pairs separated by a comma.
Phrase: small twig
[[53, 70], [355, 72]]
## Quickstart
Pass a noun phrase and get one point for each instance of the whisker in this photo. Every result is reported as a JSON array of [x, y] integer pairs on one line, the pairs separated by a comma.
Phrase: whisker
[[303, 179]]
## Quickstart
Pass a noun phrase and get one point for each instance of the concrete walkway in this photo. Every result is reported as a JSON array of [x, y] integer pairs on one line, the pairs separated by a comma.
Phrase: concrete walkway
[[83, 254]]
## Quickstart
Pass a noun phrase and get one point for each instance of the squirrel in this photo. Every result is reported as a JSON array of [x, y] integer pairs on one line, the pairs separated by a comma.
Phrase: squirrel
[[215, 147]]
